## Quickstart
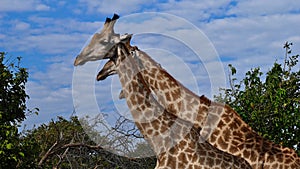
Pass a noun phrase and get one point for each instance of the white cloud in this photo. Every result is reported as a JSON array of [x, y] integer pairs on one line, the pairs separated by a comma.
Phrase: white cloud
[[62, 3], [266, 7], [48, 35], [92, 98], [42, 7], [22, 26], [51, 103], [56, 74], [246, 34], [109, 7], [65, 25], [46, 43], [253, 41], [195, 10], [21, 5], [2, 36], [51, 90]]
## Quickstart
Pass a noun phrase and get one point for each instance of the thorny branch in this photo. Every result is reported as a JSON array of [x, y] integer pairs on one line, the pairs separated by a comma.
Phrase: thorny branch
[[128, 132], [119, 139]]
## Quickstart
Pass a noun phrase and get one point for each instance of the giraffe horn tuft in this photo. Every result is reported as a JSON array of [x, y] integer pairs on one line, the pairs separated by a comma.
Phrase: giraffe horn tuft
[[107, 20], [109, 24], [115, 17]]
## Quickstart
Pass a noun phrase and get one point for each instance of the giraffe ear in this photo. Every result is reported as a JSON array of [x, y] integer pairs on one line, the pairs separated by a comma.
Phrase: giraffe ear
[[121, 95], [126, 38]]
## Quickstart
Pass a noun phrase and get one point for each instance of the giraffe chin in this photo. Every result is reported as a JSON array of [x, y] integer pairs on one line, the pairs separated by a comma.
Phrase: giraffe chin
[[101, 77], [107, 70]]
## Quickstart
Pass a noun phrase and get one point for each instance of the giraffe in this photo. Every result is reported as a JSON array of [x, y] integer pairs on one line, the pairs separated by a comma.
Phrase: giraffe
[[175, 142], [219, 124]]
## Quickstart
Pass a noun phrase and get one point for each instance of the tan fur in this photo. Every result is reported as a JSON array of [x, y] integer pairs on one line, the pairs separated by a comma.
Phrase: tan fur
[[175, 142], [221, 125], [217, 123]]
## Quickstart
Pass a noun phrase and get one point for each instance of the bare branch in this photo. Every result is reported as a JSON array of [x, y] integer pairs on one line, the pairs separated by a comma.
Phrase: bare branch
[[71, 145], [47, 154], [128, 132], [63, 156]]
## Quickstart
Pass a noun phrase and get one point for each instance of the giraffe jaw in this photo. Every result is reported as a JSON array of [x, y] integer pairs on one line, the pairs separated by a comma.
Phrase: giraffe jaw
[[107, 70]]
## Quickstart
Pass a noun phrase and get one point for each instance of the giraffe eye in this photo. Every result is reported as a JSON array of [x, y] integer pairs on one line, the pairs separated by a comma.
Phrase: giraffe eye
[[104, 42]]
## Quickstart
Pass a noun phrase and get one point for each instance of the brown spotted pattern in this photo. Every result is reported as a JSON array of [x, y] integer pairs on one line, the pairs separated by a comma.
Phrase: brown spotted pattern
[[176, 142], [221, 125]]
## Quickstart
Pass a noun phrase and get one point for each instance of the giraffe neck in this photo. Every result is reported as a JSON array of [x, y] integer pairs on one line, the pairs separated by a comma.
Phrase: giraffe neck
[[219, 124], [176, 98], [150, 118], [175, 141]]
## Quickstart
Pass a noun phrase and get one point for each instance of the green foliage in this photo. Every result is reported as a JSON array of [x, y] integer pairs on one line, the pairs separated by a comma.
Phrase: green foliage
[[59, 144], [51, 138], [12, 111], [12, 91], [271, 106]]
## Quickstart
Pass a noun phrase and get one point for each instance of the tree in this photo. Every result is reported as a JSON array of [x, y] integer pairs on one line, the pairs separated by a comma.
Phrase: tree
[[65, 144], [271, 106], [12, 111], [59, 144]]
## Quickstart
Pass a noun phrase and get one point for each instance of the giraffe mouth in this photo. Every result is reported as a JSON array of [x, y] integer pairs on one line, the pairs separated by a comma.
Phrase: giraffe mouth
[[107, 70], [102, 75]]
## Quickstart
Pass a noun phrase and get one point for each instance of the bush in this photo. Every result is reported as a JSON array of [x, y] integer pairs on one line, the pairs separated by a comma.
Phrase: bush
[[271, 106]]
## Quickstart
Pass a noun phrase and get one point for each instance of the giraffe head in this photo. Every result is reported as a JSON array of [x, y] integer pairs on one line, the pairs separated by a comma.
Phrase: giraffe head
[[101, 43], [108, 69]]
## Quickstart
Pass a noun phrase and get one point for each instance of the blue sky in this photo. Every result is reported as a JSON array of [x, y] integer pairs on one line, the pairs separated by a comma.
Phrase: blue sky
[[49, 35]]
